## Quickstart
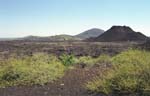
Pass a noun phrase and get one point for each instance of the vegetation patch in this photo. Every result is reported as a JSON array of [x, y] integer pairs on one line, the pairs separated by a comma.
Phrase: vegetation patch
[[129, 74], [68, 60], [29, 70], [90, 61], [41, 68]]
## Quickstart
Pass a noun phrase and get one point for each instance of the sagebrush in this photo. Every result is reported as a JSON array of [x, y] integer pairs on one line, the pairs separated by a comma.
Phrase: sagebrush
[[130, 74], [36, 69]]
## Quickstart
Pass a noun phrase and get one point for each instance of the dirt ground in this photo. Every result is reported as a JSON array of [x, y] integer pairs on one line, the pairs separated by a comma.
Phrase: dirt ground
[[72, 84]]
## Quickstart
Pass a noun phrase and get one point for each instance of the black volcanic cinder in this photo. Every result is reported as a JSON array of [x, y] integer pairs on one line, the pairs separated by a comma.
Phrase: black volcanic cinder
[[120, 33]]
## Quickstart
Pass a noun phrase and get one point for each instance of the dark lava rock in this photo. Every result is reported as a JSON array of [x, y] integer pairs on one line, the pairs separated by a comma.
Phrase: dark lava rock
[[120, 33]]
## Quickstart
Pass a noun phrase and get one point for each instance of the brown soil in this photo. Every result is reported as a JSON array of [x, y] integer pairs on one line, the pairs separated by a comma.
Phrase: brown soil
[[70, 85]]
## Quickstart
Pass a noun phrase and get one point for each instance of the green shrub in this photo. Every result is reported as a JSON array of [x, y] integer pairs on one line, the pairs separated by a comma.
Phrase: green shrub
[[130, 74], [68, 60], [37, 69]]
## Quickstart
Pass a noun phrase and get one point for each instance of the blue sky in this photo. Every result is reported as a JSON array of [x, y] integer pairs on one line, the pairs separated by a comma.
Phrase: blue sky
[[20, 18]]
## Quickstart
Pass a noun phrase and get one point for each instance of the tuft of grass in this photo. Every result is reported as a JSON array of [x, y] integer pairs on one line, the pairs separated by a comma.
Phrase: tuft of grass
[[89, 61], [130, 74], [37, 69]]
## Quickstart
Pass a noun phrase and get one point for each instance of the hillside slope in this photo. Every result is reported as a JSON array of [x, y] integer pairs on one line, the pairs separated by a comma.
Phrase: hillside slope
[[120, 33], [95, 32], [51, 38]]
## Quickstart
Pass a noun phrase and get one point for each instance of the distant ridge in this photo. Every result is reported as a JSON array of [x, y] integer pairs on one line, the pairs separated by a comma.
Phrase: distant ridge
[[94, 32], [62, 37], [120, 33], [115, 33]]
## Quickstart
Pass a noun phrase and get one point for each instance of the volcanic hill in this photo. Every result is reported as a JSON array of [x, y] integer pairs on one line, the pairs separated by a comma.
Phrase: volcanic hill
[[120, 33]]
